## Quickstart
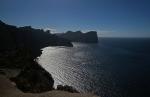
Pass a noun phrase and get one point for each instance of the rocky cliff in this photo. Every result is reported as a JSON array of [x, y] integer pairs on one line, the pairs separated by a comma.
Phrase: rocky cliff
[[19, 48], [27, 37], [78, 36]]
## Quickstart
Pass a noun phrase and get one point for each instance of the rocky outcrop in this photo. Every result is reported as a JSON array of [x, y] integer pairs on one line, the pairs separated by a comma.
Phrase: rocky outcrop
[[67, 88], [19, 48], [27, 37], [7, 89], [78, 36], [34, 79]]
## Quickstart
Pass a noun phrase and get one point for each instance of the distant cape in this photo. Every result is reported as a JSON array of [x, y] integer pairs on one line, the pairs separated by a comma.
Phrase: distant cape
[[78, 36]]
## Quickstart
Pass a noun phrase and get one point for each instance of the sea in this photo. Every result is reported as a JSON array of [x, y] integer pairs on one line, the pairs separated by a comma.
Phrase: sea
[[114, 67]]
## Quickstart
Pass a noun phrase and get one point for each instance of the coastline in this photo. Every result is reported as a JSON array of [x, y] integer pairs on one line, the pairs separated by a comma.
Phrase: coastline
[[8, 89], [20, 74]]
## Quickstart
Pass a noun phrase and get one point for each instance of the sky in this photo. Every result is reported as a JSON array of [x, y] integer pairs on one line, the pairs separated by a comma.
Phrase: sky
[[110, 18]]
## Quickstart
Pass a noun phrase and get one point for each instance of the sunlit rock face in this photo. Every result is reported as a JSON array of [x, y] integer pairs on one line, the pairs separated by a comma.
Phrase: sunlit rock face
[[78, 36]]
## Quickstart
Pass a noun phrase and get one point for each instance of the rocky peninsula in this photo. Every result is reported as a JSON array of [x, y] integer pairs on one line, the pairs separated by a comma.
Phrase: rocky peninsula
[[20, 46], [78, 36]]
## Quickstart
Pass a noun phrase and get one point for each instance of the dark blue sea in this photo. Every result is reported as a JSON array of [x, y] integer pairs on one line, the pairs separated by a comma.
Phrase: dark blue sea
[[115, 67]]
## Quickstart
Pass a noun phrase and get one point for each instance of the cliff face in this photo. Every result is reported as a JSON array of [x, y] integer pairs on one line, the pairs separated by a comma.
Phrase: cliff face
[[78, 36], [26, 37], [19, 48]]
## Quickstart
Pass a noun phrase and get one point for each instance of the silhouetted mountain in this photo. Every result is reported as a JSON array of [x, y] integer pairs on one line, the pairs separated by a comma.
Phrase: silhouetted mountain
[[26, 37], [78, 36], [19, 47]]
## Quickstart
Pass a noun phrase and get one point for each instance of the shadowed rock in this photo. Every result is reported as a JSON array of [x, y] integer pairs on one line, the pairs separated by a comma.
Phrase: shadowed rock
[[19, 47], [67, 88], [34, 79], [27, 37], [78, 36]]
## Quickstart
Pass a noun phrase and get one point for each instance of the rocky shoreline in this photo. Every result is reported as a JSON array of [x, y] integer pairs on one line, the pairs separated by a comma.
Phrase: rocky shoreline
[[20, 46], [8, 89], [19, 49], [31, 78]]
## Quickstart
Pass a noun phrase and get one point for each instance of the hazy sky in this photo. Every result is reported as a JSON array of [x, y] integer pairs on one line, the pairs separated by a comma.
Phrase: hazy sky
[[123, 18]]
